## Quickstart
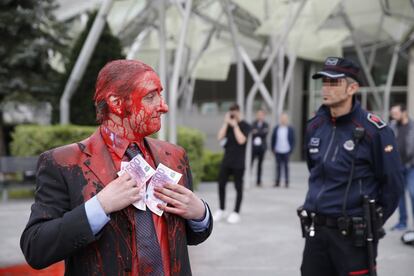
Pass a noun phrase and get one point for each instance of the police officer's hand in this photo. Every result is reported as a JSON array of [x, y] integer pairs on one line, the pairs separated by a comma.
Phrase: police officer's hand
[[181, 201], [119, 193]]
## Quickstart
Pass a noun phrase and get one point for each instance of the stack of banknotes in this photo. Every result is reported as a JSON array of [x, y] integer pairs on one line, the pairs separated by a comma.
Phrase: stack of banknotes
[[142, 172]]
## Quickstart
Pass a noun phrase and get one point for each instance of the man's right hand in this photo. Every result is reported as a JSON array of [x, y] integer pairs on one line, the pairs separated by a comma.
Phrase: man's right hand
[[119, 193], [229, 120]]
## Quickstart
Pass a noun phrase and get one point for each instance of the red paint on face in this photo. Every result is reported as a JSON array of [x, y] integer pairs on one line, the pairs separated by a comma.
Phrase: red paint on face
[[146, 105], [139, 114], [117, 78]]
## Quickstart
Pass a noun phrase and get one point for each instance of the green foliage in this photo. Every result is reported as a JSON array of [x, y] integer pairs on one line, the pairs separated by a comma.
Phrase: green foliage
[[29, 34], [31, 140], [211, 161], [82, 109], [192, 141], [21, 193]]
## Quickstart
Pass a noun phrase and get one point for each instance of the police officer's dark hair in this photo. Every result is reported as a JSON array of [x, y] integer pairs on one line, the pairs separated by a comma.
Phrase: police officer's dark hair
[[351, 80]]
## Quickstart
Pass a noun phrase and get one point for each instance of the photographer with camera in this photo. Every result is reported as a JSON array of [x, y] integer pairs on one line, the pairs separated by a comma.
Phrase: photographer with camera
[[233, 137]]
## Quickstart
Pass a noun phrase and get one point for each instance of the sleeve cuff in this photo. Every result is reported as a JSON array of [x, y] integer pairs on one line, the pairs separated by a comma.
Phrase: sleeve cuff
[[96, 215], [200, 225]]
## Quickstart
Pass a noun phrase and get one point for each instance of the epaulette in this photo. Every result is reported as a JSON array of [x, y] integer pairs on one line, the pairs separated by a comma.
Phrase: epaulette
[[376, 121]]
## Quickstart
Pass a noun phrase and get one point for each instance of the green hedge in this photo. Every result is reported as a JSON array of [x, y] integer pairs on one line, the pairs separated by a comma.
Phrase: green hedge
[[192, 141], [21, 193], [212, 161], [31, 140]]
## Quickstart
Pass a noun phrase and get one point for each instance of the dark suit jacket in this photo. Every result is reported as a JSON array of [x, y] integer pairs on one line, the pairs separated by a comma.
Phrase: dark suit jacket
[[58, 228], [291, 138], [261, 132]]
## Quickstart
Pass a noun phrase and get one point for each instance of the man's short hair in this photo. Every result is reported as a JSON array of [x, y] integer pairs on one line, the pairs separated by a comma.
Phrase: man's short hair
[[402, 106], [118, 78], [234, 107]]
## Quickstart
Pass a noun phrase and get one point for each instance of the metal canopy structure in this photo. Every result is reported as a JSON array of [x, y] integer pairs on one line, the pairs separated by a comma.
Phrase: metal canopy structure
[[185, 40]]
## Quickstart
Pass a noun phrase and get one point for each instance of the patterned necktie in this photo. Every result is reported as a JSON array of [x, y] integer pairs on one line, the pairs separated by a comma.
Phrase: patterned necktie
[[148, 247]]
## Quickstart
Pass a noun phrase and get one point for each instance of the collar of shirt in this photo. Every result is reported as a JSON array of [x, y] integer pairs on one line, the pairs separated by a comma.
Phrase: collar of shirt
[[114, 142], [324, 111]]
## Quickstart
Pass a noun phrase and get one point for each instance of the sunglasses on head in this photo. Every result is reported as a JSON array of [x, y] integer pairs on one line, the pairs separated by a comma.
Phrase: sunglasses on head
[[331, 82]]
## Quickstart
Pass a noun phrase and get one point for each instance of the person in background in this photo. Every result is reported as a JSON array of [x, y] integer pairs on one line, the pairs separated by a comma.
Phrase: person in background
[[260, 129], [83, 212], [233, 137], [283, 143], [403, 128]]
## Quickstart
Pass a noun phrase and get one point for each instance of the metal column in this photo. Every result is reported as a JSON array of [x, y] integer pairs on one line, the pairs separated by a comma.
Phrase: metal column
[[176, 75], [244, 56], [83, 60], [240, 84], [162, 63], [388, 85], [374, 47], [275, 86], [187, 75], [137, 43], [410, 91], [312, 92], [362, 59], [296, 106], [276, 49], [286, 82]]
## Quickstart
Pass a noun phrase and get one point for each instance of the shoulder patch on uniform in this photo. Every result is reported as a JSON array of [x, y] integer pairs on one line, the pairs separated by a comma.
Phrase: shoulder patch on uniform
[[377, 121]]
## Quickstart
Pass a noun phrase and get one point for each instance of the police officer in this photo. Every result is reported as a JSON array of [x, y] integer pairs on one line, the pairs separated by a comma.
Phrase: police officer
[[350, 153]]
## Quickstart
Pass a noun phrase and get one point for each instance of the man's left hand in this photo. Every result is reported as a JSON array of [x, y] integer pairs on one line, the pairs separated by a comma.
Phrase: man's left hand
[[181, 201]]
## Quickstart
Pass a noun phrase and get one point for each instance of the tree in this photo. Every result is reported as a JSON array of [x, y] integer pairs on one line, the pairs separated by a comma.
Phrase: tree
[[82, 109], [30, 34]]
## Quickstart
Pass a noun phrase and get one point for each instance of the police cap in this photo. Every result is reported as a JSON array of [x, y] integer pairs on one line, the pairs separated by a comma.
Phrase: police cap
[[337, 67]]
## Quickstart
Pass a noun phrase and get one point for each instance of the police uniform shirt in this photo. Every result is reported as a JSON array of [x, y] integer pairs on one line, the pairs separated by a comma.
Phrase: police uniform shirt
[[330, 147]]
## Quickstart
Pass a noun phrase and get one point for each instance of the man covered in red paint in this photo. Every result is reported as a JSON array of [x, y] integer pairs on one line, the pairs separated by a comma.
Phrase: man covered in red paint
[[83, 212]]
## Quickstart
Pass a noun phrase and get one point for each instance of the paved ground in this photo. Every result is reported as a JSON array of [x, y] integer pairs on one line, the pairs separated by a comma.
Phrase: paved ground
[[266, 242], [268, 239]]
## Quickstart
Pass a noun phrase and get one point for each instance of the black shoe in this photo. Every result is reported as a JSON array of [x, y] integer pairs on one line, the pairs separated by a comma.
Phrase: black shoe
[[287, 185], [276, 184]]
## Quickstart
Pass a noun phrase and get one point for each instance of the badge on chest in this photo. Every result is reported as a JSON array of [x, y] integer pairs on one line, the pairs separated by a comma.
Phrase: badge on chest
[[314, 144], [349, 145]]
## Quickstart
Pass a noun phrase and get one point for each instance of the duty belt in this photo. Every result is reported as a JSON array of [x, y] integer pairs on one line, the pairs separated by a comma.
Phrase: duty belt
[[321, 220], [310, 220]]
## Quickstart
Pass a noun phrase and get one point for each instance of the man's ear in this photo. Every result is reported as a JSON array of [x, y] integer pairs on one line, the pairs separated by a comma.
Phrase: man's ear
[[353, 88], [115, 104]]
